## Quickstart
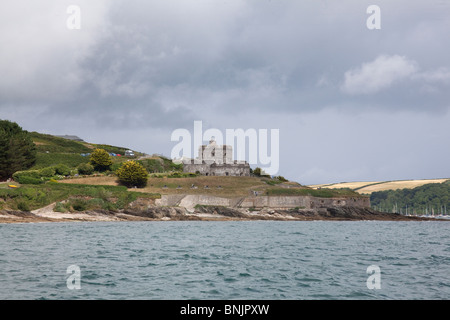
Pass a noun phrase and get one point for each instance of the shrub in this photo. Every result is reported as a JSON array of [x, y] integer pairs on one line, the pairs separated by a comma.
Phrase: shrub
[[23, 206], [257, 171], [95, 203], [107, 205], [28, 177], [61, 207], [104, 194], [85, 169], [115, 166], [273, 182], [132, 174], [79, 204], [100, 159], [62, 169], [47, 172], [178, 174]]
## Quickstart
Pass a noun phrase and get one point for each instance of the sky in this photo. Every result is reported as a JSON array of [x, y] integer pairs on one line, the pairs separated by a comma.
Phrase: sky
[[351, 103]]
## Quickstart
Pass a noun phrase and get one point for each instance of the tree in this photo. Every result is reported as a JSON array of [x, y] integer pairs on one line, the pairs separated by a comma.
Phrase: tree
[[132, 173], [17, 149], [100, 159]]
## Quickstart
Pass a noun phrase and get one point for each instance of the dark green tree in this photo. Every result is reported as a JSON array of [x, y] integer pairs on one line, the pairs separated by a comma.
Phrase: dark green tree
[[17, 149]]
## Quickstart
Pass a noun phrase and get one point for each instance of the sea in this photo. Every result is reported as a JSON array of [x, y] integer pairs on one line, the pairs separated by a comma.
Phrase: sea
[[227, 260]]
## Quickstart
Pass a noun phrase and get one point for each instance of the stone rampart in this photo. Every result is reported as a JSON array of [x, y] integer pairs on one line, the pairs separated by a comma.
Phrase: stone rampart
[[279, 202]]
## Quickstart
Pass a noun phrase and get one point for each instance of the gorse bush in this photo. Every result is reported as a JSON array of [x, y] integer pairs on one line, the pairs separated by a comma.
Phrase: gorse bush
[[100, 159], [132, 174]]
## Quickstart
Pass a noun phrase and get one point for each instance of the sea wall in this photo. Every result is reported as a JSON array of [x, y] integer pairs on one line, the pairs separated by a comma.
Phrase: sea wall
[[278, 202]]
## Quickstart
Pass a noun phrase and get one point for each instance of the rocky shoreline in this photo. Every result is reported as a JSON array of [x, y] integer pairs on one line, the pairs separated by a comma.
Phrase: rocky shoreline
[[205, 213]]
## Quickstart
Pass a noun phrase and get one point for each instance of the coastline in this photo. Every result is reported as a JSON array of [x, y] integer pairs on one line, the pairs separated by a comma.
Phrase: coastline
[[161, 213]]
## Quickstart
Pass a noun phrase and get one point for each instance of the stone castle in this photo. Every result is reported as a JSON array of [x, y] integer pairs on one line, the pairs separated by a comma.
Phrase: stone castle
[[216, 160]]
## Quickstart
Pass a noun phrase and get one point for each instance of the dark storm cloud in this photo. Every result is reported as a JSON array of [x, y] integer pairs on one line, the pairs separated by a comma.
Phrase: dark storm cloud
[[164, 57], [299, 57]]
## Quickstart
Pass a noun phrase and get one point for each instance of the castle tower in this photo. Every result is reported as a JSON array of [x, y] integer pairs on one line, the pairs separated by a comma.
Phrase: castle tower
[[215, 153], [217, 160]]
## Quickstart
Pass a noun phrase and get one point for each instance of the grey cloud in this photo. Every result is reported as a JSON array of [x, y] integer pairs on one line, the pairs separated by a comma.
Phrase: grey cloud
[[159, 65]]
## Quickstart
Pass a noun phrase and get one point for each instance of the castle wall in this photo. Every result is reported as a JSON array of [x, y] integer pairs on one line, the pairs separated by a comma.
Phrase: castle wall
[[280, 202], [235, 169], [230, 170], [339, 202], [194, 167]]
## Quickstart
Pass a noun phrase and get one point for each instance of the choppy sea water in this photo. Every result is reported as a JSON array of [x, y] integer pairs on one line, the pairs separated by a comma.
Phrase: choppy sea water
[[225, 260]]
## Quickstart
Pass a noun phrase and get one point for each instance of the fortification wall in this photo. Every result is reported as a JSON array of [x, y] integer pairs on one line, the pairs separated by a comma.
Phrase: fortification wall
[[169, 200], [194, 167], [280, 202], [190, 201], [360, 202], [276, 202], [230, 170]]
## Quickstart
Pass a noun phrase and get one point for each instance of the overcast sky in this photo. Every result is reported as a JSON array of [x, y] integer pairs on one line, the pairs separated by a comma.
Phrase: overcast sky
[[350, 103]]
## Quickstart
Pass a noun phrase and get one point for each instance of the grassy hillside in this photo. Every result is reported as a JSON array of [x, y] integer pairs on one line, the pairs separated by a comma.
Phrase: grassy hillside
[[374, 186], [48, 143], [53, 150], [221, 186]]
